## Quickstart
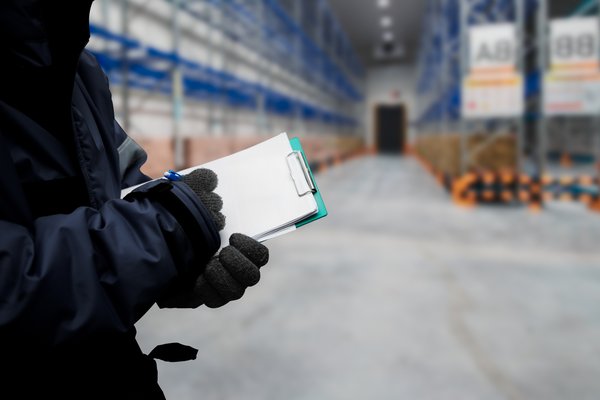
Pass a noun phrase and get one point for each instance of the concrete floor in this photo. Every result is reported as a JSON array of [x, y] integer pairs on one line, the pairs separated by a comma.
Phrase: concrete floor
[[399, 294]]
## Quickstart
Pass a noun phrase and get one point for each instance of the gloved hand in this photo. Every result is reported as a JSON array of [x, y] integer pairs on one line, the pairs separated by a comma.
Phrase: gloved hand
[[203, 182], [226, 277]]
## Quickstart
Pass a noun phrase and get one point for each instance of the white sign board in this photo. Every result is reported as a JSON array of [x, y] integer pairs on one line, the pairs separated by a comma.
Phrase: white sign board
[[492, 97], [493, 47], [570, 94], [493, 88], [572, 86], [574, 42]]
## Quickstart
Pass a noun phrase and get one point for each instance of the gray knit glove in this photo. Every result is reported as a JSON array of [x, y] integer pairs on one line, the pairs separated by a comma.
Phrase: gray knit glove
[[203, 182], [226, 277]]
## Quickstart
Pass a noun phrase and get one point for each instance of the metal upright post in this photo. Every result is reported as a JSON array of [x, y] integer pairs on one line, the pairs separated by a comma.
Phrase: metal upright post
[[263, 120], [520, 61], [319, 41], [597, 117], [227, 117], [542, 65], [177, 88], [298, 11], [297, 60], [209, 59], [464, 70], [219, 64], [443, 67], [125, 117]]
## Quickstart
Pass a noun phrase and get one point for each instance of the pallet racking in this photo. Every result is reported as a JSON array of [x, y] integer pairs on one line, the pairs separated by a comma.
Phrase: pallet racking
[[275, 59], [443, 63]]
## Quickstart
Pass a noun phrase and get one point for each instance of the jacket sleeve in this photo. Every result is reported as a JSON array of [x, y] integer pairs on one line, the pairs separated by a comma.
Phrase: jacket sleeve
[[131, 158], [98, 271], [131, 155]]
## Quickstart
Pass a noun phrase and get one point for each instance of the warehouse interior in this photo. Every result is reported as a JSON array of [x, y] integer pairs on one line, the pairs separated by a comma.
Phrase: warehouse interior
[[456, 144]]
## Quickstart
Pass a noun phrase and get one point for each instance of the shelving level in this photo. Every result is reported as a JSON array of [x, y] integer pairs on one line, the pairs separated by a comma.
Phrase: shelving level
[[443, 65], [234, 67], [572, 141]]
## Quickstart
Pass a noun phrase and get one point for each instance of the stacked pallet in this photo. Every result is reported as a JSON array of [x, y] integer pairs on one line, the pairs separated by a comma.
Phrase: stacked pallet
[[321, 151], [325, 151], [487, 153]]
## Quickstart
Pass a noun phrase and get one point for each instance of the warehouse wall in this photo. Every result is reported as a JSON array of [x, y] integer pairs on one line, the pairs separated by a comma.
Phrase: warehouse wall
[[393, 84]]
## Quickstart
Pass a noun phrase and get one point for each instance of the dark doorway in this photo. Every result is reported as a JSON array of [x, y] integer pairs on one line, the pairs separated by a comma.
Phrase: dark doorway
[[390, 128]]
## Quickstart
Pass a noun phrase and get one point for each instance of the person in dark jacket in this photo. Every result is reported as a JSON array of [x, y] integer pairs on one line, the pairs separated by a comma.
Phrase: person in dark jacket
[[79, 266]]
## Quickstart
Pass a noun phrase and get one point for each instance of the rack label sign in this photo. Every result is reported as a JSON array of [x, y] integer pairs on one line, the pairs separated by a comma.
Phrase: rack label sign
[[493, 47], [492, 97], [574, 43], [572, 85], [493, 88]]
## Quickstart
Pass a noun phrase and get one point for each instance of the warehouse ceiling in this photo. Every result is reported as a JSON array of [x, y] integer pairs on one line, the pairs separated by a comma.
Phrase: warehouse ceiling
[[375, 43], [362, 22]]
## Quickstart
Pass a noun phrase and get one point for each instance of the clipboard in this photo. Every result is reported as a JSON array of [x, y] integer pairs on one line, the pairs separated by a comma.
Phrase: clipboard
[[311, 181], [268, 189]]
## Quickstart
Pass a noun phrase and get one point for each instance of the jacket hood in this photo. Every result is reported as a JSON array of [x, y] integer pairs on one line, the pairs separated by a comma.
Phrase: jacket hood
[[40, 45], [41, 33]]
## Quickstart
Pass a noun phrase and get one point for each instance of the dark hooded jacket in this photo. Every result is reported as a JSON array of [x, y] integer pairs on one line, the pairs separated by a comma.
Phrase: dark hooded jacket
[[79, 266]]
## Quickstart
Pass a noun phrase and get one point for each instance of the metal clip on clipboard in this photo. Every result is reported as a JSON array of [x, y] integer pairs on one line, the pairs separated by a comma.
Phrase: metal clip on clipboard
[[300, 173]]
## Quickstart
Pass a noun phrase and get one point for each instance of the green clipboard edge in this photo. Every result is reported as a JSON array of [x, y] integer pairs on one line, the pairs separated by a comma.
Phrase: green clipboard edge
[[297, 146]]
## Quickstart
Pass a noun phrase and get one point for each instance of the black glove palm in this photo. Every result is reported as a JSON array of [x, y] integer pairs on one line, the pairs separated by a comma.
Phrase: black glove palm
[[228, 274], [226, 277]]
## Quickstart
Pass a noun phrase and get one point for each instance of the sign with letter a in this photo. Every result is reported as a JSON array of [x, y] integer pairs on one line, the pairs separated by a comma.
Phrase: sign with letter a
[[493, 88]]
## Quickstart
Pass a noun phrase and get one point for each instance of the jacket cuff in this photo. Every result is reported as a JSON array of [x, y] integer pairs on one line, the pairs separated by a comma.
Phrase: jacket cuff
[[190, 213]]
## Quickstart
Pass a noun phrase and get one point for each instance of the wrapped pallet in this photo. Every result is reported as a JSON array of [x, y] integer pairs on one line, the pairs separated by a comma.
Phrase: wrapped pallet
[[486, 152]]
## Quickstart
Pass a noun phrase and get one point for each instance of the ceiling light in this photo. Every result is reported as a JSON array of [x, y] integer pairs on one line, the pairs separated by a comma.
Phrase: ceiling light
[[386, 21], [388, 36], [383, 3]]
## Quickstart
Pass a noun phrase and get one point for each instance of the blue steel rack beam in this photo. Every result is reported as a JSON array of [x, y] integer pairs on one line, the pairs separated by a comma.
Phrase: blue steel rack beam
[[281, 30], [200, 82], [340, 91]]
